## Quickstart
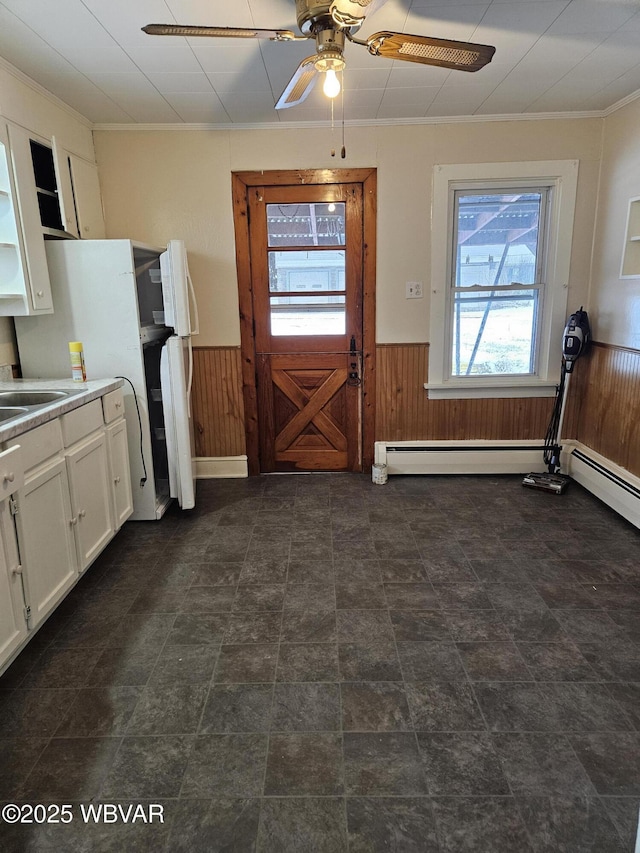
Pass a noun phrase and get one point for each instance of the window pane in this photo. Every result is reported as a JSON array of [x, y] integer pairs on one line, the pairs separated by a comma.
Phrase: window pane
[[494, 333], [306, 271], [306, 224], [497, 238], [307, 315]]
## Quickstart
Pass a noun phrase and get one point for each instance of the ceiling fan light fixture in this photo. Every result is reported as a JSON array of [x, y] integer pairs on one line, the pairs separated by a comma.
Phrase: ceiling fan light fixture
[[331, 86], [329, 61]]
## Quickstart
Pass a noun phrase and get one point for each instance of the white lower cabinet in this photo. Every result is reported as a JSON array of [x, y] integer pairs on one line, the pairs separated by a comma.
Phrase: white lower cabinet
[[13, 618], [56, 518], [44, 523], [90, 483], [118, 448]]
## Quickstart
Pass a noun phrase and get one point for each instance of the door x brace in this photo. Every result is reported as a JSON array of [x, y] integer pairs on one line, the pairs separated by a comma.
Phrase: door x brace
[[311, 405]]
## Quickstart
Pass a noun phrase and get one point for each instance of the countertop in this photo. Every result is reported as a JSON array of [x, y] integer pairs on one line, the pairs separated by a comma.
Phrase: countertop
[[80, 393]]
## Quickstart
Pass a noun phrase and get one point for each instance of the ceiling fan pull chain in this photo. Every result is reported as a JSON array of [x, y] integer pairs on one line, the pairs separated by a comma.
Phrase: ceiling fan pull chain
[[333, 150], [343, 152]]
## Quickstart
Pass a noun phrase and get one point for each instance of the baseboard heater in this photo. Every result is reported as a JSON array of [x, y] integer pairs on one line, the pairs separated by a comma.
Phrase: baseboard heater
[[614, 486], [455, 457]]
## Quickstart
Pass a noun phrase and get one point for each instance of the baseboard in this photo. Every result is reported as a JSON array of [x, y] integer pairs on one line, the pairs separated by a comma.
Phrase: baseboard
[[460, 457], [221, 467], [613, 485]]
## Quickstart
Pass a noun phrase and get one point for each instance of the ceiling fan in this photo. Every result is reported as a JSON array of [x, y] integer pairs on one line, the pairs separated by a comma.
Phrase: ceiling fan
[[331, 23]]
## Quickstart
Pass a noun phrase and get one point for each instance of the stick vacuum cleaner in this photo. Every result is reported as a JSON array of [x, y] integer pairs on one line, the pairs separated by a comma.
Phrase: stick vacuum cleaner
[[575, 341]]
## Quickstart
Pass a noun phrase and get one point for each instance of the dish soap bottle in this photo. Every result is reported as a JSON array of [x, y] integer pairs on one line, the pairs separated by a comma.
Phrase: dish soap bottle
[[78, 373]]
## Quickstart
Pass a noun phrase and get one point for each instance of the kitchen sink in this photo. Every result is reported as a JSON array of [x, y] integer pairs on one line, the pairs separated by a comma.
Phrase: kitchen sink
[[29, 398], [12, 412]]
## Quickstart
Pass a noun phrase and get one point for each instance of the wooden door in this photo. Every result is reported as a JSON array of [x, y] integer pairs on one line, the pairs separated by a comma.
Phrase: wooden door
[[306, 248]]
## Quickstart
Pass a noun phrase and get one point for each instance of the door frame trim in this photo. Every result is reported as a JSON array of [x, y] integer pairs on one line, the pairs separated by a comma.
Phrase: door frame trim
[[241, 182]]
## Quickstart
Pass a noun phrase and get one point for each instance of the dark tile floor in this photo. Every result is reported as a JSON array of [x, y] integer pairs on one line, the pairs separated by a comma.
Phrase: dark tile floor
[[316, 664]]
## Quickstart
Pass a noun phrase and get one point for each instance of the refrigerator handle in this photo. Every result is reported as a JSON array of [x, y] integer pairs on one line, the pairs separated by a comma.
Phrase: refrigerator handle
[[190, 378], [195, 330]]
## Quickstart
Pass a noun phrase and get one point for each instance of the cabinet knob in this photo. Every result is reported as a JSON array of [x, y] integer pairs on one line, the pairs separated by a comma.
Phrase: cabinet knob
[[116, 480], [17, 570], [82, 513], [118, 405], [74, 520], [10, 477], [40, 294]]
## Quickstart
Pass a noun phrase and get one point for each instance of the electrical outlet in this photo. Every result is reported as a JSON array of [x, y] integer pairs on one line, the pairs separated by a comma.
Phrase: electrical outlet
[[414, 290]]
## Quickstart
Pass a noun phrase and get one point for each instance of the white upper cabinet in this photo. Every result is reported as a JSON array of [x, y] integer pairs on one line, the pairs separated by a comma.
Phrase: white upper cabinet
[[88, 201], [46, 192], [60, 160], [79, 194], [24, 282]]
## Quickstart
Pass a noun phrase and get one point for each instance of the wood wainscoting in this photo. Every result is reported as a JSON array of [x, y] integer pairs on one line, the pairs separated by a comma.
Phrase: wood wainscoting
[[603, 410], [604, 404], [404, 413], [218, 410]]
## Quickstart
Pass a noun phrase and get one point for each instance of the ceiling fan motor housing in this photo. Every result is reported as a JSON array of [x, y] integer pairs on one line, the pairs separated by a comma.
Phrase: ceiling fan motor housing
[[311, 13]]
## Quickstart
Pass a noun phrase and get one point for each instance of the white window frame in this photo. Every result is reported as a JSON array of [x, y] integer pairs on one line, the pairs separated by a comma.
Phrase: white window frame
[[562, 177]]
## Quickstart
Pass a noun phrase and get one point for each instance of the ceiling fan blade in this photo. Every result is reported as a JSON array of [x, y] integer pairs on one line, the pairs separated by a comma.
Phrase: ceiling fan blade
[[351, 13], [219, 32], [459, 55], [302, 82]]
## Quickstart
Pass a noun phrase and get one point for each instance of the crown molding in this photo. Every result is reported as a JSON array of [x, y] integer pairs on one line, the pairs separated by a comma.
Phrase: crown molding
[[629, 99], [310, 125], [49, 96]]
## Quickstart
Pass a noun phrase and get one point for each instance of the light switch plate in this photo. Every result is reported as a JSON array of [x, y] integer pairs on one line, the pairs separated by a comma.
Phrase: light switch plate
[[414, 290]]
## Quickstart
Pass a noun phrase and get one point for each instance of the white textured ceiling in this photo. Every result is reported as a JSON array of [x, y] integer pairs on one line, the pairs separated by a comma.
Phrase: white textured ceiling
[[551, 56]]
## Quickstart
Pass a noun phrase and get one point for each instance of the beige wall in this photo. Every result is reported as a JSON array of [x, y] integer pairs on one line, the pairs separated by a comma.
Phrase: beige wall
[[159, 185], [615, 302]]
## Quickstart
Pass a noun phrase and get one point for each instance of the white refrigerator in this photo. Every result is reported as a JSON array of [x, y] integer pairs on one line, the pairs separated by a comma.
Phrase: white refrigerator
[[133, 308]]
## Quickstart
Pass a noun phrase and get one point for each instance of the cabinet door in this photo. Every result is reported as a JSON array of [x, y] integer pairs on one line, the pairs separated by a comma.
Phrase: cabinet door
[[120, 472], [13, 272], [65, 188], [90, 484], [86, 190], [13, 625], [32, 288], [45, 537]]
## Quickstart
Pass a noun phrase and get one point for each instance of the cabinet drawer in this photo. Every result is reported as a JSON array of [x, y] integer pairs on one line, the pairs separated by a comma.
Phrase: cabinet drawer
[[113, 405], [81, 422], [11, 471], [38, 444]]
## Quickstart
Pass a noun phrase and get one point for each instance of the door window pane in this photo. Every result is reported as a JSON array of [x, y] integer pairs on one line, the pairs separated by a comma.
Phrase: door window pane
[[295, 271], [494, 332], [315, 224], [307, 315]]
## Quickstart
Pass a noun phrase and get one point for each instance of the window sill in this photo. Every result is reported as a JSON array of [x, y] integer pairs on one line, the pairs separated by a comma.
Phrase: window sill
[[477, 390]]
